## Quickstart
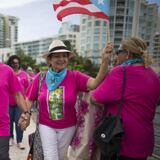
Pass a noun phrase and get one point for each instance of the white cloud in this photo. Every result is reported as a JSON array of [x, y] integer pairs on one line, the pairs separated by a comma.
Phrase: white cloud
[[14, 3]]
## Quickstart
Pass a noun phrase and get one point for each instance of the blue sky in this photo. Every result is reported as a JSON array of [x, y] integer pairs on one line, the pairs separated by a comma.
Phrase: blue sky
[[36, 17]]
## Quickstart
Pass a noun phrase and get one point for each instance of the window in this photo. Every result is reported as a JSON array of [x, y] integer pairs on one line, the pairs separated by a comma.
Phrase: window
[[96, 46], [97, 23], [97, 31]]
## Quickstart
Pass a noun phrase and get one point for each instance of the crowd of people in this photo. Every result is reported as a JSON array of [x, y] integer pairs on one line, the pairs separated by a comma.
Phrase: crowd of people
[[58, 94]]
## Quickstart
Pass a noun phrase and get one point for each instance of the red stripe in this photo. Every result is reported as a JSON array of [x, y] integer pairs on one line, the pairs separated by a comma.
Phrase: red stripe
[[79, 10], [64, 3]]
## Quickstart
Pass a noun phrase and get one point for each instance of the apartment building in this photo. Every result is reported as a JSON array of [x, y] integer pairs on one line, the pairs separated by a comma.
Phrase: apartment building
[[8, 31], [34, 48], [127, 18], [156, 50], [70, 32]]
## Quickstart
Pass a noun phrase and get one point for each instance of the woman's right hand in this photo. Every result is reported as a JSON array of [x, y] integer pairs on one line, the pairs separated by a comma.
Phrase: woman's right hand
[[107, 52], [24, 120]]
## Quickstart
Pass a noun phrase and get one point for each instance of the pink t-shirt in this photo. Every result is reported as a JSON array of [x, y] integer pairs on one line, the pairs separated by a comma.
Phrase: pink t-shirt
[[9, 84], [24, 81], [142, 92], [57, 107]]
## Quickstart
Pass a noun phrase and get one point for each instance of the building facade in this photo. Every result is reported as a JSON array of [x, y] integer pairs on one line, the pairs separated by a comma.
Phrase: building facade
[[127, 18], [70, 32], [156, 51], [8, 31], [93, 37], [151, 25], [34, 48]]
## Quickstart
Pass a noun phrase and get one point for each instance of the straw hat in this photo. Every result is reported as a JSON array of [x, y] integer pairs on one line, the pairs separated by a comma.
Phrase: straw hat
[[57, 46]]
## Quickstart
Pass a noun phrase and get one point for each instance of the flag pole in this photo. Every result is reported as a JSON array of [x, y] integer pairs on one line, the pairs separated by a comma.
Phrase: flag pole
[[108, 32]]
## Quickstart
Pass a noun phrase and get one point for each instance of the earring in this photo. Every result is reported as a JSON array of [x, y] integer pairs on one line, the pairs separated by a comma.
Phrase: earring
[[127, 57]]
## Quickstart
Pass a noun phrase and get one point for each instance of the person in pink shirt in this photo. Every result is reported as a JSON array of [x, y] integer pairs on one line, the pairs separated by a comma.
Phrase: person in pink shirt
[[9, 84], [14, 110], [58, 96], [142, 93]]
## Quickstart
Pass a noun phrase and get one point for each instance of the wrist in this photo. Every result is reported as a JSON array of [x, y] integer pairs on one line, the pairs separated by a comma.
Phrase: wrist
[[28, 112]]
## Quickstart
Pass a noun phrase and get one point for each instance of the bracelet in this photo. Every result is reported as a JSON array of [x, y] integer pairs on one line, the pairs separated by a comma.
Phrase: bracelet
[[29, 112]]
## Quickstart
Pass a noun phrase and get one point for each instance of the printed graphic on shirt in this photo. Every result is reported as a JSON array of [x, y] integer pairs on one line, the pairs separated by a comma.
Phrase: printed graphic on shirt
[[55, 104]]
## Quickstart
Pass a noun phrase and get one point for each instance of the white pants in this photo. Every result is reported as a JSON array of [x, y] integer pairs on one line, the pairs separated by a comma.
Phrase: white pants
[[55, 142]]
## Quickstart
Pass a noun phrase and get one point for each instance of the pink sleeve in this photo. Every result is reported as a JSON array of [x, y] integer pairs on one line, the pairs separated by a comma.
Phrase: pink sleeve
[[26, 83], [110, 89], [14, 84], [81, 81], [32, 92]]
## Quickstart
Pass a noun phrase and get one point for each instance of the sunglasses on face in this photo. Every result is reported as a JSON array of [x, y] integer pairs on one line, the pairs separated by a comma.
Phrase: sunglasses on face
[[121, 51], [15, 63]]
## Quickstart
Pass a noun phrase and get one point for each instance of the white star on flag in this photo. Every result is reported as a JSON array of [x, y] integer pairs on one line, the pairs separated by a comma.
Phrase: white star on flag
[[101, 2]]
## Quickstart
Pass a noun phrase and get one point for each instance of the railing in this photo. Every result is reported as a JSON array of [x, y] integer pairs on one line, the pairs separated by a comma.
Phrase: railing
[[156, 152]]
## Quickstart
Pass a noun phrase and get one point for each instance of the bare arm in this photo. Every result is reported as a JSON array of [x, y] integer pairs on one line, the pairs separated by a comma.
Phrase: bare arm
[[24, 120], [29, 103], [94, 102], [106, 56], [21, 102]]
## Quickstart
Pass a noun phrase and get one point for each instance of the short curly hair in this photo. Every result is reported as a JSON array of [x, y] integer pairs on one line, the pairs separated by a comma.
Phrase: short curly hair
[[11, 59]]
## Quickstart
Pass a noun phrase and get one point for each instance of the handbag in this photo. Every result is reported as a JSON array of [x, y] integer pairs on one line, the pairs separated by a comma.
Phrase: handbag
[[109, 132], [36, 151]]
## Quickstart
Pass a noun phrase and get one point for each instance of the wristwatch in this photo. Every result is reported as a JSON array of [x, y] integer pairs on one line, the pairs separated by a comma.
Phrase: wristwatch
[[28, 111]]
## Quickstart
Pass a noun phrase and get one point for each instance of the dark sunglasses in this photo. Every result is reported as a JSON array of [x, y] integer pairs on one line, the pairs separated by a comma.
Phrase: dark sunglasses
[[121, 51]]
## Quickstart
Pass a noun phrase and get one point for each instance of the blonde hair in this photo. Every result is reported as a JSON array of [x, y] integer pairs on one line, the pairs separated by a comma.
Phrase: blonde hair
[[137, 46]]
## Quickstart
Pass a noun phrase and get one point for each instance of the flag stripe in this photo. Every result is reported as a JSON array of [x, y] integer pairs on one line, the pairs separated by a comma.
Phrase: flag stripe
[[78, 10], [66, 7], [64, 3]]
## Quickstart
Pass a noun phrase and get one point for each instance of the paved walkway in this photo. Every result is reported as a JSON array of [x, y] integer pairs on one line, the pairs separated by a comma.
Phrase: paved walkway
[[16, 153]]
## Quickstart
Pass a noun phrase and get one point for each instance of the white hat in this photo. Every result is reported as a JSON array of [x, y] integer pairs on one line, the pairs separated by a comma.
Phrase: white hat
[[29, 68], [57, 46]]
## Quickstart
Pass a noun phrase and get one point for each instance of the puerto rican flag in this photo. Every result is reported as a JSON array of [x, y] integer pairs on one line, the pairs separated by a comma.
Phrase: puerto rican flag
[[97, 8]]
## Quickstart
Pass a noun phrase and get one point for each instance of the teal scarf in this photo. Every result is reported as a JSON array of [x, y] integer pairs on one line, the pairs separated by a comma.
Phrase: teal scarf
[[54, 79], [132, 61]]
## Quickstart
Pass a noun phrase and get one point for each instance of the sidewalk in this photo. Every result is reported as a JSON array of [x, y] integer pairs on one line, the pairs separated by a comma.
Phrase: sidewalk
[[16, 153]]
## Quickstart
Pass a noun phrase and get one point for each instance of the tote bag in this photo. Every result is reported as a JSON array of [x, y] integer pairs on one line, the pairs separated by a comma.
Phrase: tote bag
[[82, 146]]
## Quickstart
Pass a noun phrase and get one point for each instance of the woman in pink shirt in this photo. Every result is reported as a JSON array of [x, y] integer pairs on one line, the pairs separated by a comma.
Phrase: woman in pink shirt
[[142, 92], [9, 84], [14, 110], [58, 97]]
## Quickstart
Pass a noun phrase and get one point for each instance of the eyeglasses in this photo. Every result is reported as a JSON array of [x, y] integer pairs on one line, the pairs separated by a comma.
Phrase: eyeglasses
[[15, 62], [121, 51]]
